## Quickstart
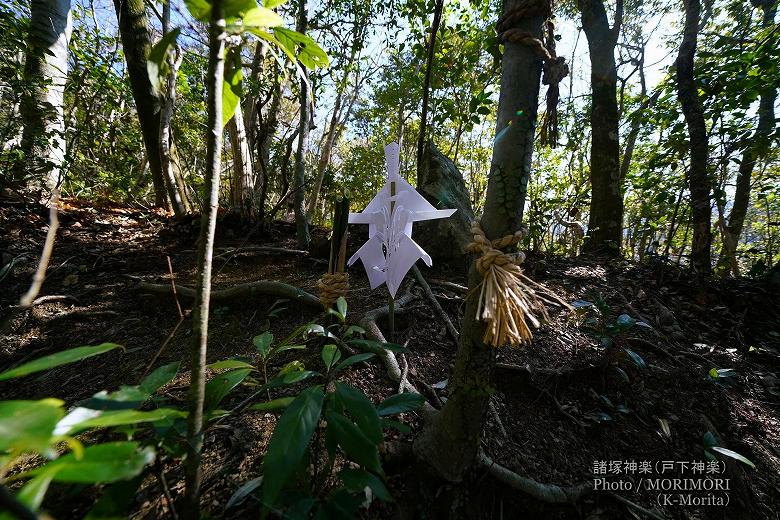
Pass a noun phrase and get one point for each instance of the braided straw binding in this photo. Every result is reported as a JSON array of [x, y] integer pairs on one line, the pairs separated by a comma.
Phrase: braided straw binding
[[332, 286], [507, 300]]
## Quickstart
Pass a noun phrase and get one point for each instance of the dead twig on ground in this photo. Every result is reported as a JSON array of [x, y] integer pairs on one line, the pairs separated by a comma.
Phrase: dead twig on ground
[[436, 305], [241, 291]]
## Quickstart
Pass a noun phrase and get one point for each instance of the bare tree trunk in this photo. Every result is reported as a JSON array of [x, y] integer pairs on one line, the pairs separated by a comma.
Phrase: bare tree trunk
[[167, 103], [136, 43], [45, 72], [759, 145], [299, 203], [449, 443], [327, 148], [605, 224], [208, 223], [427, 86], [698, 181], [243, 179]]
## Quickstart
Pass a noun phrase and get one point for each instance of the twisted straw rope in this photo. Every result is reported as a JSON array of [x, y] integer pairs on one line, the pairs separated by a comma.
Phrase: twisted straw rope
[[332, 286], [508, 299]]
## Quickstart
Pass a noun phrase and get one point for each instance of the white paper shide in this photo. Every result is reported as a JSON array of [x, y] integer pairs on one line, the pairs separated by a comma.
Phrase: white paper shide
[[390, 251]]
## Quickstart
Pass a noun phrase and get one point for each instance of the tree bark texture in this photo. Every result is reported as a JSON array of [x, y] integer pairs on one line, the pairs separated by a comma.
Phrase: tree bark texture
[[243, 179], [136, 44], [449, 443], [46, 72], [698, 180], [605, 223], [299, 198], [758, 147], [208, 223]]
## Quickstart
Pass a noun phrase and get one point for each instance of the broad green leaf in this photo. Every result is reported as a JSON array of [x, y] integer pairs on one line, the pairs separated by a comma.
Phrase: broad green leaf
[[157, 64], [398, 426], [231, 364], [100, 463], [262, 17], [283, 348], [199, 9], [218, 387], [33, 491], [274, 404], [357, 447], [270, 4], [114, 503], [636, 358], [231, 86], [55, 360], [361, 409], [351, 360], [263, 343], [710, 440], [289, 378], [399, 403], [160, 377], [359, 479], [308, 52], [734, 455], [624, 321], [290, 439], [28, 425], [330, 355], [341, 306], [127, 397], [123, 417], [242, 493]]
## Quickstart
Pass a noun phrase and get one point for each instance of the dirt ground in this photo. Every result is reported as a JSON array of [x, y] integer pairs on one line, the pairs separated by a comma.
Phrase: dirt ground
[[555, 428]]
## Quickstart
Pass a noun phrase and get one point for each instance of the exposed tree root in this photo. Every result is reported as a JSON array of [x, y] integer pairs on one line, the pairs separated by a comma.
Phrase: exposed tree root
[[634, 505], [437, 307], [83, 315], [369, 323], [449, 285], [549, 493], [244, 290]]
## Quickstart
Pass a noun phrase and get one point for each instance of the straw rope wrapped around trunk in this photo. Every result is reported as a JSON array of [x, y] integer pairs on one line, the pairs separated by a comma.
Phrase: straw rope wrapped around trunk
[[508, 300]]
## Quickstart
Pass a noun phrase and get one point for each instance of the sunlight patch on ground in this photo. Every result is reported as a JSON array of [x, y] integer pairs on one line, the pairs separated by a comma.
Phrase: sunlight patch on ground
[[586, 273]]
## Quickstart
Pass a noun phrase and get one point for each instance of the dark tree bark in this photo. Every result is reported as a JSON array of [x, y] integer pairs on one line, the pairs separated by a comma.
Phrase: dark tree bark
[[698, 180], [605, 224], [208, 223], [449, 443], [136, 43], [45, 72], [299, 198], [759, 145]]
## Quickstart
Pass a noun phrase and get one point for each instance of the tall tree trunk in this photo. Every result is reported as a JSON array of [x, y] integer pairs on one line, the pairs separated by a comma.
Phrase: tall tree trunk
[[299, 202], [450, 441], [759, 145], [167, 103], [605, 224], [208, 223], [427, 85], [136, 43], [698, 181], [45, 71], [327, 147], [243, 179]]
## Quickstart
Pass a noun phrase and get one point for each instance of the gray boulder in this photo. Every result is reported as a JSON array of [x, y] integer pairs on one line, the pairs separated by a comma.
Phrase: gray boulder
[[442, 185]]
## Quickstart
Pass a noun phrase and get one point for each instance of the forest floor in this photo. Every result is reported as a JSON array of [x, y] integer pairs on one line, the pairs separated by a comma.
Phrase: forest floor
[[552, 428]]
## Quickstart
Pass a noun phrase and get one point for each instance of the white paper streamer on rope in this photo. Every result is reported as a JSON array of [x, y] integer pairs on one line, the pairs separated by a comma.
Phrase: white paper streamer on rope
[[390, 251]]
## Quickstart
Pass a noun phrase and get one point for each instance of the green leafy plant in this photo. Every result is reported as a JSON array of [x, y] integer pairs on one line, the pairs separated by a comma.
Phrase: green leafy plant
[[597, 319], [331, 426]]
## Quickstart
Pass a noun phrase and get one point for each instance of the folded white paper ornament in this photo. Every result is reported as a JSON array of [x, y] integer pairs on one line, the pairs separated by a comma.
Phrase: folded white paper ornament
[[390, 251]]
